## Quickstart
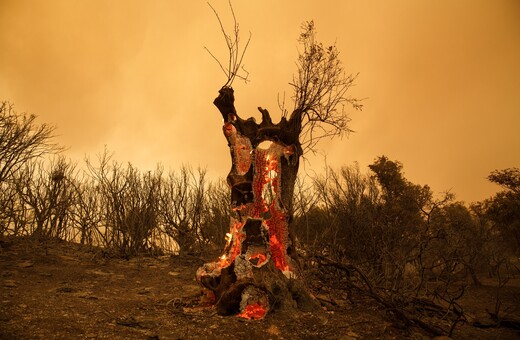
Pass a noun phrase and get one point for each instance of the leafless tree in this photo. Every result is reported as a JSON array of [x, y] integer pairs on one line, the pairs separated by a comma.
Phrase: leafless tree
[[47, 191], [129, 203], [21, 140], [182, 205], [87, 212], [216, 214]]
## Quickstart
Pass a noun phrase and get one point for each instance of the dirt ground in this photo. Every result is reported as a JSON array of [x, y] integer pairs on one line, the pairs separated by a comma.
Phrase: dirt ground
[[68, 291]]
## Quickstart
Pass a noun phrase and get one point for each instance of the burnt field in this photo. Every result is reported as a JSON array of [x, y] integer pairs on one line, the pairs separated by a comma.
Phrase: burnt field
[[63, 290]]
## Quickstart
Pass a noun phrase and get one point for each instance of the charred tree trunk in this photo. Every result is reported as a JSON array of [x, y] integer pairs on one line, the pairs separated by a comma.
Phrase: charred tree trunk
[[258, 270]]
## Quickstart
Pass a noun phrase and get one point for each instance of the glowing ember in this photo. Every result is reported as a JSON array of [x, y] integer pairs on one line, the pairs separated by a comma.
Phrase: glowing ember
[[229, 237], [253, 312], [241, 148], [258, 239], [266, 204], [260, 259]]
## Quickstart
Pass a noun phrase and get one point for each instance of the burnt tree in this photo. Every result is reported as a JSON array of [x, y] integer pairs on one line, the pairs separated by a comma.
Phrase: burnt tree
[[258, 269]]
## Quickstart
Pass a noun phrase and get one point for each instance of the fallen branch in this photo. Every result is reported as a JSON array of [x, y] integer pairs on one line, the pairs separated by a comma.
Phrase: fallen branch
[[390, 303]]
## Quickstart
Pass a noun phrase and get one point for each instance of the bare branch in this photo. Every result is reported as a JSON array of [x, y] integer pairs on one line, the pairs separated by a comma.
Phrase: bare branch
[[21, 140], [235, 53], [218, 61]]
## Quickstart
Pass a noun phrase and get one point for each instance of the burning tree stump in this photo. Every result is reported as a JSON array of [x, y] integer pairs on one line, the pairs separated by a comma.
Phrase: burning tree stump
[[258, 270]]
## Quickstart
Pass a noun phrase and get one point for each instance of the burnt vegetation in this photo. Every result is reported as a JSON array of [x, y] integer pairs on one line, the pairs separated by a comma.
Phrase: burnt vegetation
[[381, 236], [355, 236], [361, 235], [259, 266]]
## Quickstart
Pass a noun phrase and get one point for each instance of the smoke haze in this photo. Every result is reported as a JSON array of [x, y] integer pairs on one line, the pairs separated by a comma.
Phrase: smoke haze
[[441, 79]]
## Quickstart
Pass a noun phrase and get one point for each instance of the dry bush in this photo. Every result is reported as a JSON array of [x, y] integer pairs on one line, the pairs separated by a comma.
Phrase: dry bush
[[115, 207], [393, 240], [216, 215], [12, 214], [182, 205], [86, 213], [129, 205], [22, 141], [45, 197]]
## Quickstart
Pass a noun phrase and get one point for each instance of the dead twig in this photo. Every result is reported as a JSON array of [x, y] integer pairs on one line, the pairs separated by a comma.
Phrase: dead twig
[[236, 53]]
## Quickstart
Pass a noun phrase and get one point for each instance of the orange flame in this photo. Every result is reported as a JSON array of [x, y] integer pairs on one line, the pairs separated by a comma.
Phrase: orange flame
[[262, 258], [229, 237], [254, 311]]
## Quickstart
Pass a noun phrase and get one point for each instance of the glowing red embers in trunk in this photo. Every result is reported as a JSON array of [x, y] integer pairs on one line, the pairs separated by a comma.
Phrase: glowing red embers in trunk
[[258, 238], [254, 312], [258, 260], [254, 304]]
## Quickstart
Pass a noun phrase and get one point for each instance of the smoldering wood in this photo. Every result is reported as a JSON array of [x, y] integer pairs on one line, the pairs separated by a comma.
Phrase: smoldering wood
[[258, 270]]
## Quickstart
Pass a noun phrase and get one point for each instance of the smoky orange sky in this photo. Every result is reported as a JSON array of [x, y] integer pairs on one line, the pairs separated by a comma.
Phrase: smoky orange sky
[[441, 80]]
